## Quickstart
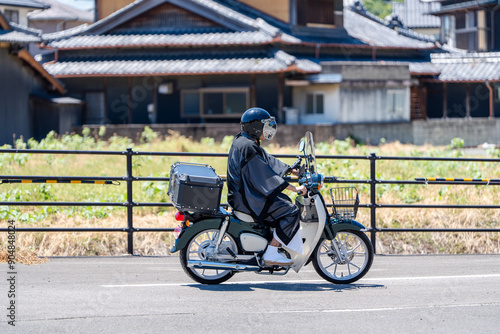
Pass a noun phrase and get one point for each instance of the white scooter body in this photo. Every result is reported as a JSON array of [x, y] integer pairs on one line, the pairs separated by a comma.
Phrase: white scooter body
[[311, 233]]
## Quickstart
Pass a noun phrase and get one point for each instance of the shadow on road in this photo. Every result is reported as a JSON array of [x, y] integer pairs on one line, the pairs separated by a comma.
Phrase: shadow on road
[[280, 286]]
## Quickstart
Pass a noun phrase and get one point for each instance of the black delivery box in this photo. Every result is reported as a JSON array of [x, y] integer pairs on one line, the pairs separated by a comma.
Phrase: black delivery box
[[195, 187]]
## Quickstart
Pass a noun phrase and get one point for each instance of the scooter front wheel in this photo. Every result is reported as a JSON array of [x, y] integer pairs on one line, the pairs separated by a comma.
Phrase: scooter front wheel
[[201, 247], [345, 259]]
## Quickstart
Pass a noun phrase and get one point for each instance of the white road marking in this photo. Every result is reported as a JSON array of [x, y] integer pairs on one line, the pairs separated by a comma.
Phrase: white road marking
[[380, 309], [381, 279]]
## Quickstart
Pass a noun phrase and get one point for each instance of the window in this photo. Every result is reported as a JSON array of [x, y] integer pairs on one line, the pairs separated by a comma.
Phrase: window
[[315, 103], [12, 15], [312, 12], [214, 102], [190, 103], [395, 101], [95, 108], [466, 31]]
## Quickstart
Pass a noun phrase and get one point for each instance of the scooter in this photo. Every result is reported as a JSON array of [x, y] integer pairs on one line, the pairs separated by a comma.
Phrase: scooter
[[213, 247]]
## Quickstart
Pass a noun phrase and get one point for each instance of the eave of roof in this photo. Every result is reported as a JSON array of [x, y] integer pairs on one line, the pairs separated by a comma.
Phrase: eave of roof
[[463, 6], [24, 3], [159, 40], [26, 56], [279, 62]]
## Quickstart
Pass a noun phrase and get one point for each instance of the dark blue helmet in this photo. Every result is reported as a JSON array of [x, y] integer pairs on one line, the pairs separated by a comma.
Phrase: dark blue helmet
[[257, 121]]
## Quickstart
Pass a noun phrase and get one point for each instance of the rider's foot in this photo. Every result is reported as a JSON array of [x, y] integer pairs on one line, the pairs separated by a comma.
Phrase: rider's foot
[[272, 257]]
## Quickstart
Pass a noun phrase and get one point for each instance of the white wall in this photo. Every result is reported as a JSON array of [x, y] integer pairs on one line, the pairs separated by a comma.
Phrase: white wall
[[363, 104], [23, 13], [347, 104], [331, 103]]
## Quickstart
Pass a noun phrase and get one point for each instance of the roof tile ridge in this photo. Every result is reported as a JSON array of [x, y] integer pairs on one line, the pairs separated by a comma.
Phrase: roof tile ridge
[[25, 29]]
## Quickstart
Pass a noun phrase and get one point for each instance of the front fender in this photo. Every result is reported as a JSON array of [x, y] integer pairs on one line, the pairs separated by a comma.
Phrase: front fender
[[331, 229], [191, 231]]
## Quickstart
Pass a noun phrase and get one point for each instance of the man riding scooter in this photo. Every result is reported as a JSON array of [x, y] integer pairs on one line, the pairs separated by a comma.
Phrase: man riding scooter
[[255, 184]]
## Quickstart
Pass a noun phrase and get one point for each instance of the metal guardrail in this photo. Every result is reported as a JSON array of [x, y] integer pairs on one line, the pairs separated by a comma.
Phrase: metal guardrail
[[130, 179]]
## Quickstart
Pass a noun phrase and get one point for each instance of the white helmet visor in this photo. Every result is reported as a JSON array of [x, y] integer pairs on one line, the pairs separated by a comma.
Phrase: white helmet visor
[[269, 128]]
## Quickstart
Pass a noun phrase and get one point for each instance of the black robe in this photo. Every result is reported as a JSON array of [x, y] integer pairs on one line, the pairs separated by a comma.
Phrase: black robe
[[255, 182]]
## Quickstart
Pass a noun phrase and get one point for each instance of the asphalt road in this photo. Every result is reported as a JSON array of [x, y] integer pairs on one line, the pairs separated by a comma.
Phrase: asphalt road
[[401, 294]]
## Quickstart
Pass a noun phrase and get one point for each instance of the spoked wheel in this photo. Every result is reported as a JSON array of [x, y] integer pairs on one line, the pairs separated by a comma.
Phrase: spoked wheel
[[201, 247], [351, 262]]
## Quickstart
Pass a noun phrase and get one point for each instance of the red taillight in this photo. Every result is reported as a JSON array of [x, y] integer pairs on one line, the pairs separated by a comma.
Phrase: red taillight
[[179, 216]]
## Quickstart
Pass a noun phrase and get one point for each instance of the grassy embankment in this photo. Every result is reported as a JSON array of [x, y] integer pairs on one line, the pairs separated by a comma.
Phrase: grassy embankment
[[47, 244]]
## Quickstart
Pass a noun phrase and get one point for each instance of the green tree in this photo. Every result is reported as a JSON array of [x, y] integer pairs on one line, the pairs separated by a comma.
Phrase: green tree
[[381, 8]]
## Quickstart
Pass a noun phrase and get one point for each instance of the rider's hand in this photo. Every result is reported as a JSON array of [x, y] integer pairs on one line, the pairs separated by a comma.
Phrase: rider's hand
[[301, 189], [295, 172]]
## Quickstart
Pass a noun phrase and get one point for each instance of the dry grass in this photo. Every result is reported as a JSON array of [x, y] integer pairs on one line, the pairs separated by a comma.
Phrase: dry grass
[[24, 256]]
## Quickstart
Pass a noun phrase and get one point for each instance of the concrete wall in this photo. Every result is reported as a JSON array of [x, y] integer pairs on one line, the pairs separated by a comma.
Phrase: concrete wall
[[371, 104], [438, 132], [473, 131]]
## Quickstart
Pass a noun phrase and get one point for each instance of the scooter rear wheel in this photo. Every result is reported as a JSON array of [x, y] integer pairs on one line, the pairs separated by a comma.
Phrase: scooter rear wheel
[[353, 262], [200, 248]]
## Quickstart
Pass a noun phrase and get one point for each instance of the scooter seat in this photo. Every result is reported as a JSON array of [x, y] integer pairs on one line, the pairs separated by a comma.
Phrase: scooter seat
[[244, 216]]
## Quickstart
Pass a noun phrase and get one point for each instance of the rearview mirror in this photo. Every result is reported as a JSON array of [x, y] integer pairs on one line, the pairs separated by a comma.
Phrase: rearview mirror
[[302, 145]]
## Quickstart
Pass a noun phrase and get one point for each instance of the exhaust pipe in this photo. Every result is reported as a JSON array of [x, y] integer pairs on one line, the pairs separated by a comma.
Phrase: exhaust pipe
[[222, 266]]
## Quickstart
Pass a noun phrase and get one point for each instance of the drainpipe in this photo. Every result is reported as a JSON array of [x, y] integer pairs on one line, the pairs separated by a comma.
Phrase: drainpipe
[[490, 88], [61, 25]]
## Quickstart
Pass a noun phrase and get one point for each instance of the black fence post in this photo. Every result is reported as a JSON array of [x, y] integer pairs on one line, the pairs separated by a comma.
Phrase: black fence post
[[130, 204], [373, 200]]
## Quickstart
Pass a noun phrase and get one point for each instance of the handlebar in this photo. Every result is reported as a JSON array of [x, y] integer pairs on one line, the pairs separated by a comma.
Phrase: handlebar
[[296, 164]]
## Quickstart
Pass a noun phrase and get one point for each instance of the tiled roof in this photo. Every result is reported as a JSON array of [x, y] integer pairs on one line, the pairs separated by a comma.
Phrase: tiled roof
[[13, 36], [424, 68], [65, 33], [20, 34], [418, 13], [469, 67], [276, 62], [375, 33], [108, 41], [60, 11], [24, 3]]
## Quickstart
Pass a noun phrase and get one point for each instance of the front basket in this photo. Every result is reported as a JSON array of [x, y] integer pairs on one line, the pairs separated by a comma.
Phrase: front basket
[[345, 202]]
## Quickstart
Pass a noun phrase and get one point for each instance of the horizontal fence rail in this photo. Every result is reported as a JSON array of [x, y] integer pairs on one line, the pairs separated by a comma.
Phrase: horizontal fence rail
[[129, 179]]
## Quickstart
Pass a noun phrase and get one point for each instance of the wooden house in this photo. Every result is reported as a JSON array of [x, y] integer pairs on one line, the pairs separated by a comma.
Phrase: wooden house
[[22, 80]]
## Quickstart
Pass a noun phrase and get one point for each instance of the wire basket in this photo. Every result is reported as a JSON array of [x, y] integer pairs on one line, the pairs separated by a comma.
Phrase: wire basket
[[345, 202]]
